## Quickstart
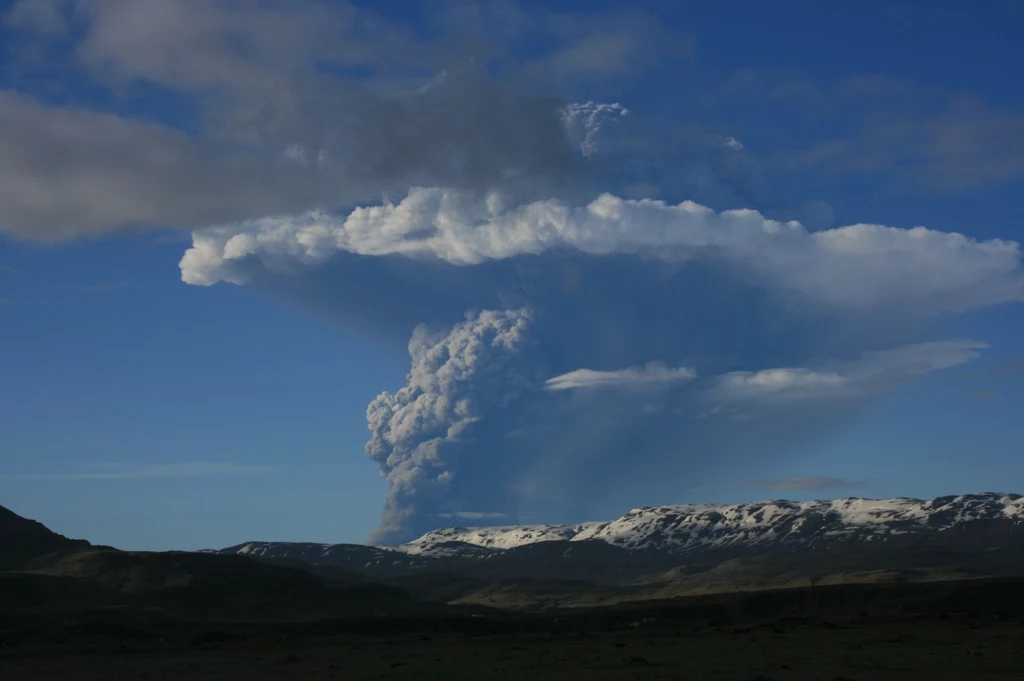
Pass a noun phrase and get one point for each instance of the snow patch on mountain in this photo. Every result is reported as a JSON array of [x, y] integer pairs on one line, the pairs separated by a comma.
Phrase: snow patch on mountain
[[506, 537]]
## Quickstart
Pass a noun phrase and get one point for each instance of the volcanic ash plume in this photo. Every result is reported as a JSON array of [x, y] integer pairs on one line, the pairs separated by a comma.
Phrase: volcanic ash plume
[[422, 434], [617, 349]]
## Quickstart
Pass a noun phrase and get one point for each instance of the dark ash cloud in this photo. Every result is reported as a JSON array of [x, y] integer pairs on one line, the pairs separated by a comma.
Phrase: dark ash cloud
[[70, 172], [298, 105]]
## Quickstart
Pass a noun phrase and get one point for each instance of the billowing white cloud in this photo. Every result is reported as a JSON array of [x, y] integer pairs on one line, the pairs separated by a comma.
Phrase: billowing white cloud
[[872, 373], [650, 375], [858, 266]]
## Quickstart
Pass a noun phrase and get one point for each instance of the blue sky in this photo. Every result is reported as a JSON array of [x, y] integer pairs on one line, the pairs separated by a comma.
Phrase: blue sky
[[140, 411]]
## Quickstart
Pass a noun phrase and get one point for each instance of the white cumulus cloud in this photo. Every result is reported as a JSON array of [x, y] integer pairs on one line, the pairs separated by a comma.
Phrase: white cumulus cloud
[[859, 266]]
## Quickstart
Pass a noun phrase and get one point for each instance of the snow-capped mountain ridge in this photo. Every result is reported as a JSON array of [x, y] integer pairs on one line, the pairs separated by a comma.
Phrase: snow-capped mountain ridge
[[688, 527], [649, 540]]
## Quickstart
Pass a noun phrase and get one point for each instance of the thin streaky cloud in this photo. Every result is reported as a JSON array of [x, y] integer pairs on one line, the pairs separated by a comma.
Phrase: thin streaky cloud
[[474, 515], [117, 471], [651, 375]]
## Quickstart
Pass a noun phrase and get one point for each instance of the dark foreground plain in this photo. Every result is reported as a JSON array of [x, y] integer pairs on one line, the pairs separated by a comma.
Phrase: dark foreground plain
[[864, 648], [959, 629]]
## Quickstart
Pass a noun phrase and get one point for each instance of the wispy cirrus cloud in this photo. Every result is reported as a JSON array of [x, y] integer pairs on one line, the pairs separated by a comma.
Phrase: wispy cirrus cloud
[[127, 471], [650, 375], [873, 373]]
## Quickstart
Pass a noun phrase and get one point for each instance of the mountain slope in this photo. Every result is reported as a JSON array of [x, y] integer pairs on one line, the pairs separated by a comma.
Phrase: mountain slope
[[205, 584], [22, 539], [46, 575]]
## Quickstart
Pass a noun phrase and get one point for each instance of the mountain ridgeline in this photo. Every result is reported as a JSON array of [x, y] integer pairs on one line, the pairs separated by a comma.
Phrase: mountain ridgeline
[[649, 540], [24, 539], [650, 553], [47, 578]]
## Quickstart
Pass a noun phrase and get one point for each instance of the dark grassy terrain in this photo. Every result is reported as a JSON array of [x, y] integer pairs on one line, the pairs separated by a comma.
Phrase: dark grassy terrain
[[798, 648], [771, 571], [968, 630]]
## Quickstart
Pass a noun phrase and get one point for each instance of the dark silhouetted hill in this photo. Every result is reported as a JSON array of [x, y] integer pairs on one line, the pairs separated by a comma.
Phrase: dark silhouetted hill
[[22, 539]]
